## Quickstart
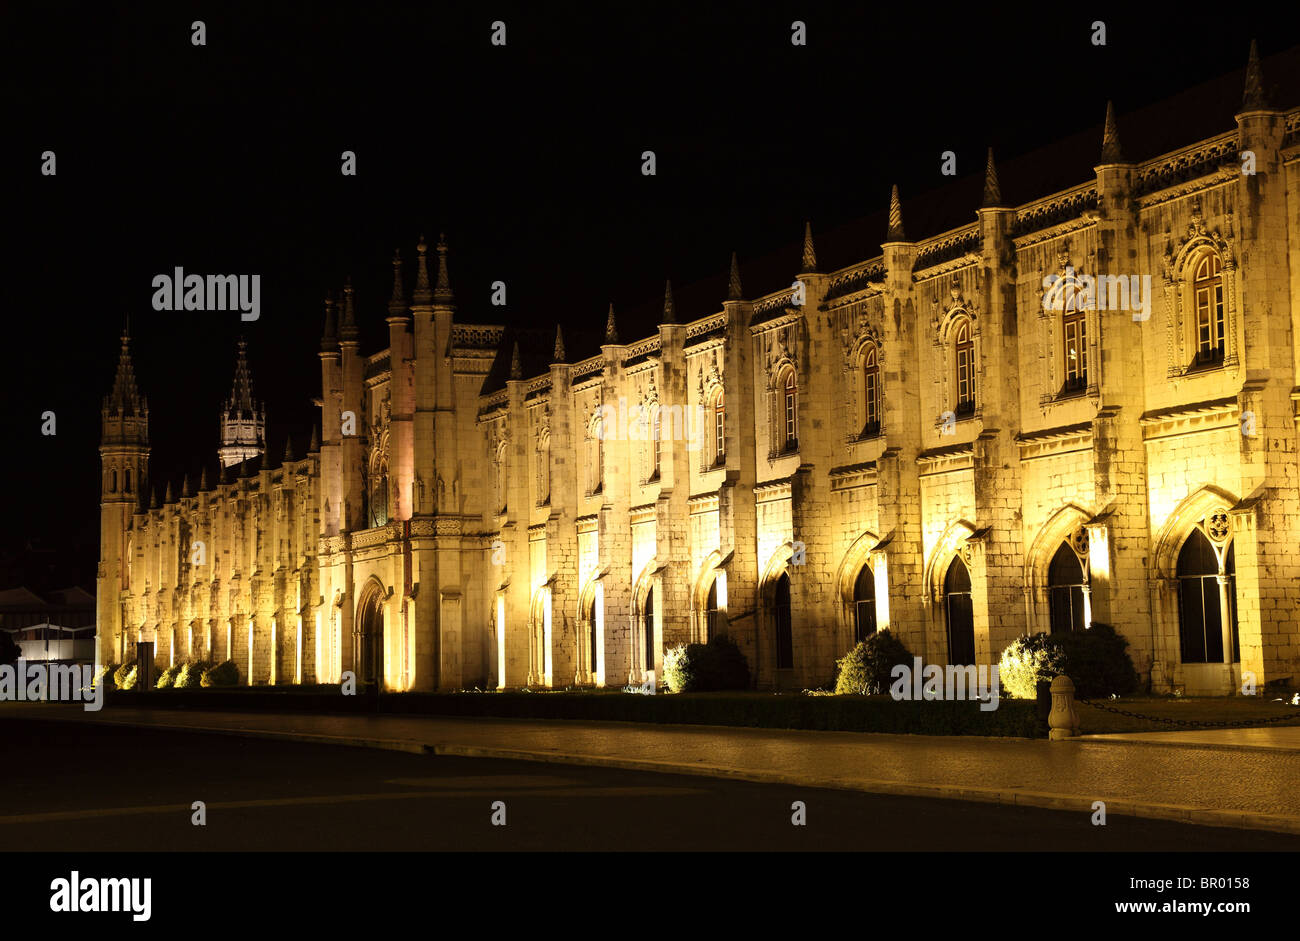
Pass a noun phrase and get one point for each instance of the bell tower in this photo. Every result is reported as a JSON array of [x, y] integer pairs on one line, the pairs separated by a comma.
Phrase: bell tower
[[243, 422], [124, 461]]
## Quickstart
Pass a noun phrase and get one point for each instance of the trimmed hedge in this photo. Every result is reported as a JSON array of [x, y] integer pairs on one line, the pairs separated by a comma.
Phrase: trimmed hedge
[[168, 676], [748, 709], [105, 674], [125, 676], [191, 674]]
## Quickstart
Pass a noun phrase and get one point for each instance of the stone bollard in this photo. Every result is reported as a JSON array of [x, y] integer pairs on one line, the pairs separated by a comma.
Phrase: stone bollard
[[1063, 720]]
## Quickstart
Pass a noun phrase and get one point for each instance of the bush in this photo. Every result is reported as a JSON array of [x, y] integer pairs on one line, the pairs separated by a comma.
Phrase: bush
[[699, 668], [1097, 660], [191, 674], [105, 674], [864, 670], [167, 677], [677, 669], [1028, 661], [225, 674], [125, 676]]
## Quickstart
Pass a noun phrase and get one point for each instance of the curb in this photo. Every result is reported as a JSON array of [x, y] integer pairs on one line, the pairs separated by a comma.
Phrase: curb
[[1179, 813]]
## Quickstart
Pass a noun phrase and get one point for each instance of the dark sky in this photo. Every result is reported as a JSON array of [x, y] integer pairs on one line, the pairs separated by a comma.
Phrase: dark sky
[[225, 159]]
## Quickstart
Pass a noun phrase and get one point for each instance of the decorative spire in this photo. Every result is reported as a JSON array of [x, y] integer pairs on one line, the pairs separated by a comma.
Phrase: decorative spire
[[314, 446], [1254, 98], [558, 357], [156, 504], [670, 309], [516, 365], [240, 405], [442, 291], [809, 263], [611, 329], [125, 399], [895, 232], [243, 468], [397, 303], [1110, 150], [423, 294], [329, 341], [168, 498], [348, 330], [203, 480], [734, 291], [288, 449], [992, 191], [185, 487]]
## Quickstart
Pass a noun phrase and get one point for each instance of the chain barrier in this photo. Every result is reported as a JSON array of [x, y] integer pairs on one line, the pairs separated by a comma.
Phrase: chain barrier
[[1193, 723]]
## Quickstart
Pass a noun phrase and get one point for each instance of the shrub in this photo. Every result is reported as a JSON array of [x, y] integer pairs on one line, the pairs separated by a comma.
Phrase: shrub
[[125, 676], [225, 674], [105, 674], [1097, 660], [1028, 661], [677, 673], [168, 677], [864, 670], [191, 674], [699, 668]]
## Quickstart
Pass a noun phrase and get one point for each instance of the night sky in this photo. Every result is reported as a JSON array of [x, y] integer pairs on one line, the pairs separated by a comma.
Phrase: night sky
[[225, 159]]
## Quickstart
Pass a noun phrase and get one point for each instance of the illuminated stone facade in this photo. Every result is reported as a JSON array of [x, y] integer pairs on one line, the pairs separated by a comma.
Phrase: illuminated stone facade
[[921, 444]]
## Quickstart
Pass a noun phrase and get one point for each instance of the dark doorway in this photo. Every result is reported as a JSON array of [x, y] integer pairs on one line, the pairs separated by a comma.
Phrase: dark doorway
[[711, 613], [369, 649], [864, 604], [648, 628], [1065, 591], [784, 629], [961, 621]]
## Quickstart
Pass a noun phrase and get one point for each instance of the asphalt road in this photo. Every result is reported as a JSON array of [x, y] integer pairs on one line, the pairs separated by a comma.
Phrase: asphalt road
[[74, 787]]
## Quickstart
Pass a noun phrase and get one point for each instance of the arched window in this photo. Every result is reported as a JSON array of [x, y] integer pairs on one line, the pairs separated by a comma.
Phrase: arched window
[[648, 628], [864, 604], [784, 628], [1074, 336], [114, 488], [789, 411], [595, 457], [1065, 591], [964, 346], [870, 393], [1207, 294], [1201, 601], [656, 444], [711, 613], [958, 613], [589, 622], [128, 480], [719, 429]]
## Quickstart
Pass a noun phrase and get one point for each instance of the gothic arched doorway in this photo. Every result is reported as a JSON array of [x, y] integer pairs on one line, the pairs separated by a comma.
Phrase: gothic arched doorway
[[368, 649]]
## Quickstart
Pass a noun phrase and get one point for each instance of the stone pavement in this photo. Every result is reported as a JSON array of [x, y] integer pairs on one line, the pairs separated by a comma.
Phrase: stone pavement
[[1238, 778]]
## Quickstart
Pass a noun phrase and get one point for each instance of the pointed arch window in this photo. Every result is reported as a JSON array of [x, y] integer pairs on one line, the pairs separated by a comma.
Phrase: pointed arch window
[[595, 457], [1207, 296], [1074, 337], [1207, 603], [864, 604], [870, 392], [959, 614], [128, 480], [964, 361], [711, 613], [1065, 587], [719, 428], [783, 623], [656, 444]]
